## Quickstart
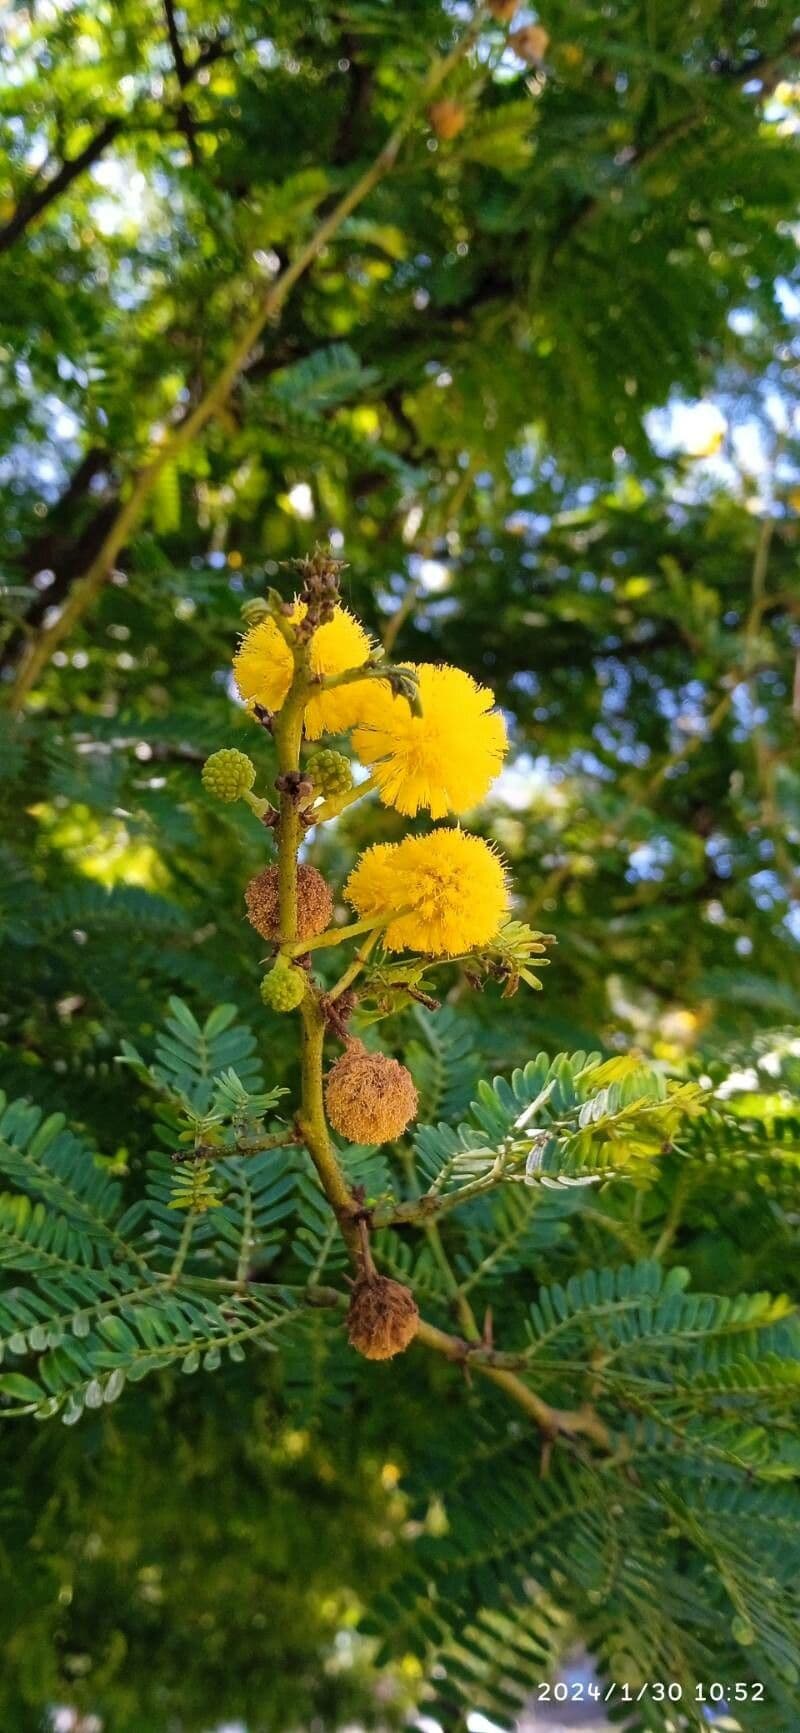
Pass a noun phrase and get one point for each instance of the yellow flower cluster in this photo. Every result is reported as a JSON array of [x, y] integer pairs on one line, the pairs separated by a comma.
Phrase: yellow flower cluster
[[263, 667], [447, 891], [444, 759]]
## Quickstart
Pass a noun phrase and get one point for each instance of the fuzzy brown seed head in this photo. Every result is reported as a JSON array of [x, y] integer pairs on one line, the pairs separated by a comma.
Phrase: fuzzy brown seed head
[[382, 1317], [369, 1097], [314, 903], [503, 9], [448, 117], [531, 43]]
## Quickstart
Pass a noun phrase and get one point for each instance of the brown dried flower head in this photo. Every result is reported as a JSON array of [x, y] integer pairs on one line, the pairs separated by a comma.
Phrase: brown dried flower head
[[314, 903], [448, 117], [382, 1317], [531, 43], [503, 9], [369, 1097]]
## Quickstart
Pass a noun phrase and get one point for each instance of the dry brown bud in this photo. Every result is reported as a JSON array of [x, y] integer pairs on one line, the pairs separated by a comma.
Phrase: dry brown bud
[[503, 10], [314, 903], [530, 43], [448, 117], [382, 1317], [369, 1097]]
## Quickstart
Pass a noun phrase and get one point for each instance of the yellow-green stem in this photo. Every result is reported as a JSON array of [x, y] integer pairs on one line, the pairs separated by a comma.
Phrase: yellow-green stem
[[338, 935], [354, 968], [313, 1123], [288, 735], [339, 802], [141, 484], [311, 1119], [572, 1423]]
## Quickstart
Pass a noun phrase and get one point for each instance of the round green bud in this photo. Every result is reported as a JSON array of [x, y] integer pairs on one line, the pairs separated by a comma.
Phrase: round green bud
[[331, 773], [283, 988], [228, 774]]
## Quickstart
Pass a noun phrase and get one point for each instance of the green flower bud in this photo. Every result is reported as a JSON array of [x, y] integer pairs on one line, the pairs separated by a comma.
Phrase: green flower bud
[[228, 774], [254, 611], [330, 773], [283, 988]]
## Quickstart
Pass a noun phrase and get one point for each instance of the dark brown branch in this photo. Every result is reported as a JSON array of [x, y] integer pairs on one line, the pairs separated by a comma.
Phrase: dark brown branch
[[76, 527], [360, 88], [38, 197], [34, 202], [184, 74]]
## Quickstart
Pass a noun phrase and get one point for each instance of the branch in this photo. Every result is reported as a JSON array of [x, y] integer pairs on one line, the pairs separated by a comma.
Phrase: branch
[[766, 68], [497, 1367], [33, 203], [87, 588], [282, 1139], [184, 75]]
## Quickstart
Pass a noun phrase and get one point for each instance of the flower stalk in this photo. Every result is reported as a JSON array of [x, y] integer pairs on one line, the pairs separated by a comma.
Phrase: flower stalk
[[443, 894]]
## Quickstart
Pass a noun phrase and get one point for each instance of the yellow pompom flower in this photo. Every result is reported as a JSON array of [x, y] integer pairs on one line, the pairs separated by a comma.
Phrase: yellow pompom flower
[[262, 669], [444, 759], [449, 887]]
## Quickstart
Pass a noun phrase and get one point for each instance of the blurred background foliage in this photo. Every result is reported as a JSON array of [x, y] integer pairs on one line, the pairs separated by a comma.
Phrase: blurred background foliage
[[540, 393]]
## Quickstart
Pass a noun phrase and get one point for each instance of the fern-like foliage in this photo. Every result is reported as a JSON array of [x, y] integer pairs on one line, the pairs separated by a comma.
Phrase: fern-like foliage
[[573, 1120], [644, 1555], [633, 1539]]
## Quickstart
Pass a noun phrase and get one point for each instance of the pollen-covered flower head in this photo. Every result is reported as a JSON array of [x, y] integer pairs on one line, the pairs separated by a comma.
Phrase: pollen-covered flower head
[[444, 759], [263, 667], [448, 887]]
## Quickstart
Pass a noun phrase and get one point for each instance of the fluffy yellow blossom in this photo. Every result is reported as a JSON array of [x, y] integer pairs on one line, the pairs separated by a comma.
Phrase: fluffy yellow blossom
[[341, 644], [449, 888], [262, 666], [262, 669], [444, 759]]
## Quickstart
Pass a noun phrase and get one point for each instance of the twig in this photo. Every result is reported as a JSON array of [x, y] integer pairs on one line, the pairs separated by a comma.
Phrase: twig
[[38, 197], [354, 968], [243, 1146], [491, 1364]]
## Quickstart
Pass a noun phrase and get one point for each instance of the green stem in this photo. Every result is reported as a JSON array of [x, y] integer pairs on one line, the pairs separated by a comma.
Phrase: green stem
[[311, 1118], [314, 1127], [433, 1204], [340, 802], [244, 1146], [288, 735], [256, 803], [466, 1316], [338, 935], [183, 1250], [354, 969]]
